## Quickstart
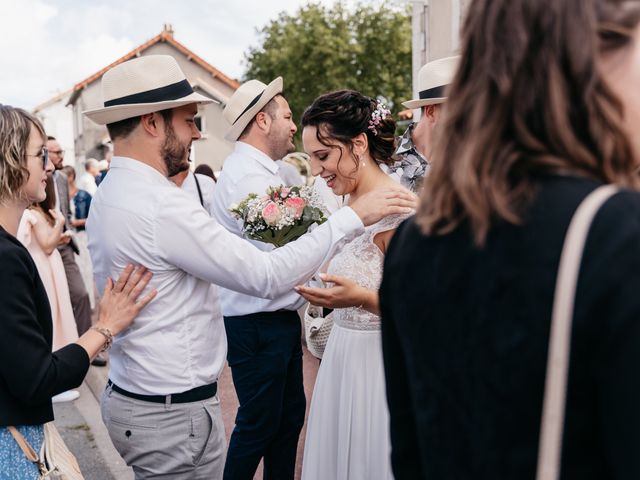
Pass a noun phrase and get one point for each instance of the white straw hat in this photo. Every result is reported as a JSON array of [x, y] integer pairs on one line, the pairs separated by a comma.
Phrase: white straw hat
[[143, 85], [245, 104], [433, 78]]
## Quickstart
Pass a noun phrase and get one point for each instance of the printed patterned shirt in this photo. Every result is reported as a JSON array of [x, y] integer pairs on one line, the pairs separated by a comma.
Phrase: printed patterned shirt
[[409, 165]]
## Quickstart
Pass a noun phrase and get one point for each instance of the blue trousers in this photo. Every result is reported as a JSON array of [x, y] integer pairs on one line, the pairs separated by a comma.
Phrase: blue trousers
[[265, 356]]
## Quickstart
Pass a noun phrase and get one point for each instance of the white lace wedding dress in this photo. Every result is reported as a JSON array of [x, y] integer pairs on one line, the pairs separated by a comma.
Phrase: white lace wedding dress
[[348, 428]]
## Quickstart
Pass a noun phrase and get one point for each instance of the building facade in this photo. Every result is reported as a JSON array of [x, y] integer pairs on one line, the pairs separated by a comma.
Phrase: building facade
[[91, 140], [436, 31], [57, 119]]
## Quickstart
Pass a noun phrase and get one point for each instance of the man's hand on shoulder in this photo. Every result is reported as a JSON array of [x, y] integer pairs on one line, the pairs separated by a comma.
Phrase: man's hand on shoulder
[[374, 206]]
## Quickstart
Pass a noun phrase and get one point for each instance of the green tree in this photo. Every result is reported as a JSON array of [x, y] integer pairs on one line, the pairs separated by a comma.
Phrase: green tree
[[320, 49]]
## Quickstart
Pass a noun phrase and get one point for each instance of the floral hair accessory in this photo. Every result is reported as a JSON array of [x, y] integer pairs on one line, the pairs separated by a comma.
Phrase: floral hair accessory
[[380, 113]]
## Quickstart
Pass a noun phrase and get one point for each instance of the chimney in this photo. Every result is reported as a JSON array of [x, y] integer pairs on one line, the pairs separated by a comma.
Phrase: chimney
[[168, 29]]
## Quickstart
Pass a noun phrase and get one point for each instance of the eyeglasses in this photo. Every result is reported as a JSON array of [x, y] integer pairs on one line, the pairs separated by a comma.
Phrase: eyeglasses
[[44, 155]]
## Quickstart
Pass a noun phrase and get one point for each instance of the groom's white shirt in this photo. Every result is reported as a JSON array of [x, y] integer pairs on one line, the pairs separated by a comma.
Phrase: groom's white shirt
[[178, 341], [247, 170]]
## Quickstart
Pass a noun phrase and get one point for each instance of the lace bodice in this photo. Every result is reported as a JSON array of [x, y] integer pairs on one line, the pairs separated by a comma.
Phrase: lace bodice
[[361, 260]]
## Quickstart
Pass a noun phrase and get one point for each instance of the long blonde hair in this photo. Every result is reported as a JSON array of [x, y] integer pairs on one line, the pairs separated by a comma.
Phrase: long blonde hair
[[528, 99]]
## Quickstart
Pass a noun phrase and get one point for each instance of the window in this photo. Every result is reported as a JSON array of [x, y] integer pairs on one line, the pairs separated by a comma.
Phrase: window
[[201, 124]]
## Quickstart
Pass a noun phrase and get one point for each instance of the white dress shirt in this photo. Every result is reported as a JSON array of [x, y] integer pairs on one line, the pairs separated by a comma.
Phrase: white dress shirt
[[87, 182], [207, 187], [289, 174], [178, 341], [247, 170]]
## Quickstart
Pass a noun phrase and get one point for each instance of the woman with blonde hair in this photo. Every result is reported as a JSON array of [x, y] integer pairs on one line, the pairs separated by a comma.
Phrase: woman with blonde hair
[[543, 110], [30, 374]]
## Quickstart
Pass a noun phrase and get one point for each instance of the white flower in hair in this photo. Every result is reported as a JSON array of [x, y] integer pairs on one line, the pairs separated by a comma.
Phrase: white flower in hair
[[377, 116]]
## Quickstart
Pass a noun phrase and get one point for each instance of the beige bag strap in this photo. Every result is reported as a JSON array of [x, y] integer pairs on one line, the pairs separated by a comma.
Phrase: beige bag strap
[[24, 445], [555, 389]]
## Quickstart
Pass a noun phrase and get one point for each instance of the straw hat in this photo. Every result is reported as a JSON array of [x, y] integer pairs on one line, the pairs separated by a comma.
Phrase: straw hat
[[143, 85], [245, 104], [433, 78]]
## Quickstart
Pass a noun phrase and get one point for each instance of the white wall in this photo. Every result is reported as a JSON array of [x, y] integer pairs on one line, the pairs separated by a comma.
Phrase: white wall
[[58, 122], [436, 31]]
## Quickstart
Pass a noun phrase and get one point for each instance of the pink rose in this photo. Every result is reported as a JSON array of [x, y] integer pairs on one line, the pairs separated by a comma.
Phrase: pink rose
[[271, 213], [296, 205], [284, 192]]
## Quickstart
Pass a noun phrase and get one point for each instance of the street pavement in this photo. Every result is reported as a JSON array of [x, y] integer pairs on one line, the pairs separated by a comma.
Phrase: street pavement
[[81, 426]]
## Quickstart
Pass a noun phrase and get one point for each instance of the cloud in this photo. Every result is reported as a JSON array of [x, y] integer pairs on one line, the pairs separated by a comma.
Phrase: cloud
[[49, 45]]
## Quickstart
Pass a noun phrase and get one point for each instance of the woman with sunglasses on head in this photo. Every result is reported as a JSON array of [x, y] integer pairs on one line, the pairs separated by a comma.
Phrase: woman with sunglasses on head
[[30, 374], [543, 110]]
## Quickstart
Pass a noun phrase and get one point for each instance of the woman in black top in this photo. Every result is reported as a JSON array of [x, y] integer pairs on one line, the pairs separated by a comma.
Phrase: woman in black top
[[543, 109], [29, 373]]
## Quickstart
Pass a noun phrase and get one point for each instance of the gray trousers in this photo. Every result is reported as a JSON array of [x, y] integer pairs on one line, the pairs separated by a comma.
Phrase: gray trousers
[[77, 291], [167, 441]]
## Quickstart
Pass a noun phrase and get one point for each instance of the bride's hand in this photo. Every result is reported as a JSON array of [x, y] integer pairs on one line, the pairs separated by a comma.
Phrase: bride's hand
[[343, 293]]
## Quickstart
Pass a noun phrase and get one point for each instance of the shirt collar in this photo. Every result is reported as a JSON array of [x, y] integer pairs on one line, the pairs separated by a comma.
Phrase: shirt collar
[[259, 156], [131, 164]]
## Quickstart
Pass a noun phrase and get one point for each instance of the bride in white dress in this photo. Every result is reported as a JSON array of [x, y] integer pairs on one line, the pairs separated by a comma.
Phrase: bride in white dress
[[347, 136]]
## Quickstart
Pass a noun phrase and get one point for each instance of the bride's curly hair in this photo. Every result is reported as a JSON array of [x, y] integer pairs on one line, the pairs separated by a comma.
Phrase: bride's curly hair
[[343, 115], [528, 98]]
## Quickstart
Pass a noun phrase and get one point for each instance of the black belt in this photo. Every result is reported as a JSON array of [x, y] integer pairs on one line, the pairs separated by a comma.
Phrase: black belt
[[194, 395]]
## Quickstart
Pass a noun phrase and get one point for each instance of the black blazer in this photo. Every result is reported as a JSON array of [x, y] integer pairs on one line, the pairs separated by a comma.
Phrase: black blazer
[[465, 334], [29, 373]]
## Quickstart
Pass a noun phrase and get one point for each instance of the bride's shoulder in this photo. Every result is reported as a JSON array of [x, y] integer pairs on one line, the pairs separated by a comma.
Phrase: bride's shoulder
[[387, 224]]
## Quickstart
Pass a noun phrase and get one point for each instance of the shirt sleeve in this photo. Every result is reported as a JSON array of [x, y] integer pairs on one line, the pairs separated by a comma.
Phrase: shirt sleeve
[[196, 243], [31, 372]]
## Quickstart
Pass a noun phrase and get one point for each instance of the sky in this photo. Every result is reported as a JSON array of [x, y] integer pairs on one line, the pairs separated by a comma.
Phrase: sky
[[47, 46]]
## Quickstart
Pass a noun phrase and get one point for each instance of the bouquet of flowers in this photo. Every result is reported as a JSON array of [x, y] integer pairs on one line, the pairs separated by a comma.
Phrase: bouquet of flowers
[[280, 216]]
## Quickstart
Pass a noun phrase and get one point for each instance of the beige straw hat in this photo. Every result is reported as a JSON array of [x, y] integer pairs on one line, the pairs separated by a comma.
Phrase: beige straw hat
[[433, 78], [245, 104], [143, 85]]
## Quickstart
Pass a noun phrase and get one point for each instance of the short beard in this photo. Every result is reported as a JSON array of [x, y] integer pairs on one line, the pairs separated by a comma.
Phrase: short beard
[[280, 149], [173, 153]]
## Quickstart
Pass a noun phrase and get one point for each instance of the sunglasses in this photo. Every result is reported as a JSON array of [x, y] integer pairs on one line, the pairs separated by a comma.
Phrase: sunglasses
[[44, 156]]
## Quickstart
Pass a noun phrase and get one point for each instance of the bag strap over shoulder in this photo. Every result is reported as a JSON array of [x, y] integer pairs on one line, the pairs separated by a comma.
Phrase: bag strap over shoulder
[[555, 390], [28, 451]]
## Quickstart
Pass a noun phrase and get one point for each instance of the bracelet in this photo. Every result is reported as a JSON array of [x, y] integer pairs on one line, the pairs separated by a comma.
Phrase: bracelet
[[106, 333]]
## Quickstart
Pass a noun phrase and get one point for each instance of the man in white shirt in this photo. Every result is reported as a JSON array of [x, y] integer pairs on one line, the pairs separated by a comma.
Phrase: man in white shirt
[[263, 335], [160, 405], [289, 174], [87, 181]]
